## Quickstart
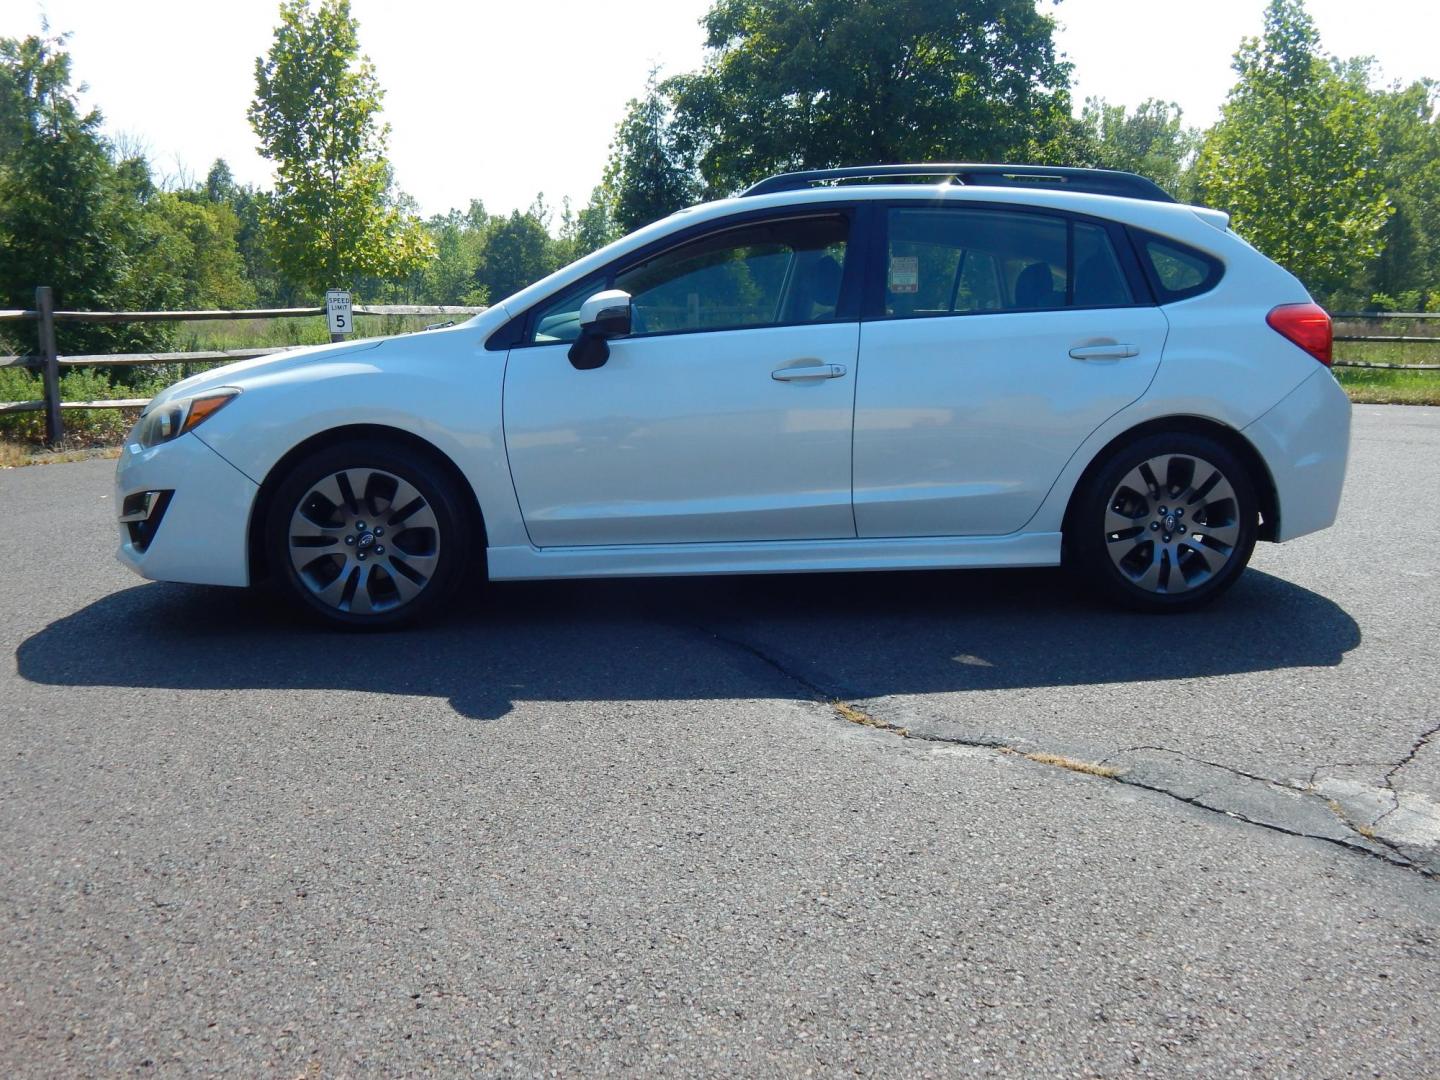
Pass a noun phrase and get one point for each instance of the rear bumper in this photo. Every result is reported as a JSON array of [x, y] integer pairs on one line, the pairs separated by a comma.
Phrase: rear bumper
[[1305, 440], [202, 524]]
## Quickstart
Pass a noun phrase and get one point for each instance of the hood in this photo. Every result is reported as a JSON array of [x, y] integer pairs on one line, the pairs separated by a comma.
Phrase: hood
[[244, 371]]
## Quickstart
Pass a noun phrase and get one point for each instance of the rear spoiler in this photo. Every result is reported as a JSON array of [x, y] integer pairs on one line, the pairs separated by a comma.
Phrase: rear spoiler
[[1215, 218]]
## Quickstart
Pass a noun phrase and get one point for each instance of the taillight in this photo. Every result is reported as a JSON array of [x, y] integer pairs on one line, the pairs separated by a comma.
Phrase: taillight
[[1308, 326]]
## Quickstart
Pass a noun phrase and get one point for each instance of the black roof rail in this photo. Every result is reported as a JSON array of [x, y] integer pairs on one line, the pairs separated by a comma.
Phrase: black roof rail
[[1089, 181]]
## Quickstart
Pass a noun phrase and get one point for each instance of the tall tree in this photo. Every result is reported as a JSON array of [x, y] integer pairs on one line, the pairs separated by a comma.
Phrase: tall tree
[[68, 217], [247, 204], [460, 240], [1293, 157], [333, 218], [1406, 275], [518, 252], [590, 228], [202, 250], [647, 177], [1152, 141], [220, 184], [813, 83]]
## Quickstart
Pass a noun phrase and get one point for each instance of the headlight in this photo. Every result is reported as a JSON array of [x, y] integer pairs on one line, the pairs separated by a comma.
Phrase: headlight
[[174, 418]]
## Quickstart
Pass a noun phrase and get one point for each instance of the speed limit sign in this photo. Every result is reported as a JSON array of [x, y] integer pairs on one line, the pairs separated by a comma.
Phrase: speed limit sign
[[337, 311]]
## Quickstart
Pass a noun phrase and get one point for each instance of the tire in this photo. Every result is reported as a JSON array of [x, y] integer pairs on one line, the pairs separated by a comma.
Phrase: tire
[[368, 535], [1166, 524]]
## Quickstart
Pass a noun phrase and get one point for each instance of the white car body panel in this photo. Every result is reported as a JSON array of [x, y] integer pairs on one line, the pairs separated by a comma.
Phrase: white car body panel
[[202, 535], [962, 423], [699, 463], [783, 557], [1305, 440], [441, 386], [685, 438]]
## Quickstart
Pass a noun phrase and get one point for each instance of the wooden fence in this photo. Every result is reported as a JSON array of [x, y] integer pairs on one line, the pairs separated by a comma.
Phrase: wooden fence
[[49, 362], [1381, 317]]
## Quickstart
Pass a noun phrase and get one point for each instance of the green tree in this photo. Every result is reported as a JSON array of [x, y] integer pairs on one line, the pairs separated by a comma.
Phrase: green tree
[[1152, 141], [1406, 274], [1293, 157], [587, 229], [204, 253], [220, 186], [248, 206], [333, 218], [518, 252], [595, 224], [69, 218], [647, 177], [460, 243], [813, 83]]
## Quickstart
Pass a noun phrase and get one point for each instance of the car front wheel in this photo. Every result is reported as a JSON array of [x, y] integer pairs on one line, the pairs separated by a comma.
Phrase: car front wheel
[[367, 536], [1166, 524]]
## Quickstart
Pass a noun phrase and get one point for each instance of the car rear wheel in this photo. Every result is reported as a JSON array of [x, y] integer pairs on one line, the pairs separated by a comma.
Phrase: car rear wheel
[[1166, 524], [368, 536]]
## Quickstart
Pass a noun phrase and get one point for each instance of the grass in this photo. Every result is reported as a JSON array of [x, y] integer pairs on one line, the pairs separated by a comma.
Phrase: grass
[[84, 428], [1381, 386], [855, 715], [13, 455], [1089, 768], [1386, 386]]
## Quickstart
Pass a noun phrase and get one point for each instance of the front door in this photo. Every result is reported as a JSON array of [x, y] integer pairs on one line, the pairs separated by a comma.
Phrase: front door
[[725, 416]]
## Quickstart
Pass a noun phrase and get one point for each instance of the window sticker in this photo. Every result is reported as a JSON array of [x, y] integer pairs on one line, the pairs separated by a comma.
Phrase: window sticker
[[904, 273]]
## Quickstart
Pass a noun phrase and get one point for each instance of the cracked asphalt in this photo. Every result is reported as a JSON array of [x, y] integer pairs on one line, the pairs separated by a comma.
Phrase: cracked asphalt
[[759, 826]]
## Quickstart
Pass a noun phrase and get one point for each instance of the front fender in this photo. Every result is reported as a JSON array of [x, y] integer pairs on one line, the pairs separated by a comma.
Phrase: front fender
[[450, 401]]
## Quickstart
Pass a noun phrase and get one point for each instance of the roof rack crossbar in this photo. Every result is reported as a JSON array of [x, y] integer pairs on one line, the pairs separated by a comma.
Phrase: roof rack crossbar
[[1089, 181]]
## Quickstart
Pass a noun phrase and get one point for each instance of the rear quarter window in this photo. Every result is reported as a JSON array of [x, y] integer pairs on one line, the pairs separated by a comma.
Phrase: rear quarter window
[[1176, 271]]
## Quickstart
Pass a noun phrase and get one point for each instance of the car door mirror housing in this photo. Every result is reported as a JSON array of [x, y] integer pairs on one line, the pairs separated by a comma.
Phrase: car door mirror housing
[[604, 316]]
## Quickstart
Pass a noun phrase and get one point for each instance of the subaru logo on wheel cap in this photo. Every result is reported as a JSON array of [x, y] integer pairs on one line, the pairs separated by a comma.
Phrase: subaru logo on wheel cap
[[366, 540]]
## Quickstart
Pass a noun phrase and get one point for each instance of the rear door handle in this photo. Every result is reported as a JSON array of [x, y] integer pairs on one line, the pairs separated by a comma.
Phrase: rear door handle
[[808, 371], [1104, 352]]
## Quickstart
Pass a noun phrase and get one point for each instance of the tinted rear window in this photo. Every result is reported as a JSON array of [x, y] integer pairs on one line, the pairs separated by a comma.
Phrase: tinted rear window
[[963, 261], [1175, 270]]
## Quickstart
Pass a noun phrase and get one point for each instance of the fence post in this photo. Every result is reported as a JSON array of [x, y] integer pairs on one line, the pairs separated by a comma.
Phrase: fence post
[[50, 364]]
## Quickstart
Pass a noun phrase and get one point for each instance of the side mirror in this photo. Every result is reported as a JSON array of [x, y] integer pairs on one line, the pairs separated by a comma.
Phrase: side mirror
[[604, 316]]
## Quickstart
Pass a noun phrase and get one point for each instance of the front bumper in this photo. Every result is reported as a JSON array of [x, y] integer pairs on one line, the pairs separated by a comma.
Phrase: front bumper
[[200, 528], [1305, 440]]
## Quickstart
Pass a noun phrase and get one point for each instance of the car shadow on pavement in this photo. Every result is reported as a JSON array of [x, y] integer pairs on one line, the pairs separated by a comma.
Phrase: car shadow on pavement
[[842, 635]]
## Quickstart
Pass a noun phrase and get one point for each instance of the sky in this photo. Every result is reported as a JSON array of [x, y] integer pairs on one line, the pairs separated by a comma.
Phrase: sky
[[499, 101]]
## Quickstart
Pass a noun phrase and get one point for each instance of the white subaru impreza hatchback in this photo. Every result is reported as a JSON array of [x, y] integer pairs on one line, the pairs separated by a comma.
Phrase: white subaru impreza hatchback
[[847, 369]]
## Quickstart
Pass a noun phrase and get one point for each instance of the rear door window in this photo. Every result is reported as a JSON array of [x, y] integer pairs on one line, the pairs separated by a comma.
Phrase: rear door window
[[965, 261]]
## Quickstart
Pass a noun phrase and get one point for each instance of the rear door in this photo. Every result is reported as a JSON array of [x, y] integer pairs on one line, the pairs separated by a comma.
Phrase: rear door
[[1000, 338]]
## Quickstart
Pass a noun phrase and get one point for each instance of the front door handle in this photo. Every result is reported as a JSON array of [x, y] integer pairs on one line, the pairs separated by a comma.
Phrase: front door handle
[[808, 371], [1104, 352]]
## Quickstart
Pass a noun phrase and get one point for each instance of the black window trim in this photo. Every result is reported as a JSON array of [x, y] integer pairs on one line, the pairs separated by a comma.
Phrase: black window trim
[[873, 307], [519, 332]]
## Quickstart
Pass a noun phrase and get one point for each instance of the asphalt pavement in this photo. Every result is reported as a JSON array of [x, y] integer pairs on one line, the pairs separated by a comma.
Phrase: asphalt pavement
[[893, 825]]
